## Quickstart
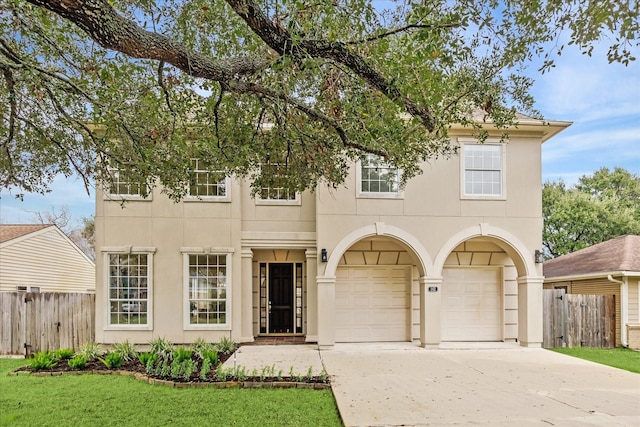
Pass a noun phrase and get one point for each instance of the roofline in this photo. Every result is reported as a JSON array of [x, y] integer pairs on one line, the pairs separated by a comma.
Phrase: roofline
[[548, 128], [622, 273], [46, 230], [27, 235]]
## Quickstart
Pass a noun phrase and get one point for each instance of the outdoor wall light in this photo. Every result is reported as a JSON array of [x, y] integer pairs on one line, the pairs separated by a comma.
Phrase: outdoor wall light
[[323, 255], [539, 257]]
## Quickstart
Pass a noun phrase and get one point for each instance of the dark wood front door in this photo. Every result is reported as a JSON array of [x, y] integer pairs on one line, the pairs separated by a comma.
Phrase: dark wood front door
[[280, 298]]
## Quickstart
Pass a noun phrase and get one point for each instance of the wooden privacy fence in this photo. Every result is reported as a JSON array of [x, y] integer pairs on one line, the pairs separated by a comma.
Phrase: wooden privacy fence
[[33, 322], [574, 320]]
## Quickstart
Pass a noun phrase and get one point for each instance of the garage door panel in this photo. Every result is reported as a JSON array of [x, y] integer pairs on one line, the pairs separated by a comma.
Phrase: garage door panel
[[372, 304], [471, 304]]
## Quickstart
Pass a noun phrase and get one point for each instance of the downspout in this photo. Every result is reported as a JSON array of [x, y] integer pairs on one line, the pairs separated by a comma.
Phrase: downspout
[[624, 301]]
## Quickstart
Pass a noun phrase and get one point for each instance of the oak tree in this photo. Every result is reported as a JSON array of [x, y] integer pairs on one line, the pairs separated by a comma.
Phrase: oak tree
[[599, 207], [143, 86]]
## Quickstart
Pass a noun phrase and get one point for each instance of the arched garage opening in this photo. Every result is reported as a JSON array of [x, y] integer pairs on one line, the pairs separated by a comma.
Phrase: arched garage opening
[[376, 292], [490, 290], [479, 293]]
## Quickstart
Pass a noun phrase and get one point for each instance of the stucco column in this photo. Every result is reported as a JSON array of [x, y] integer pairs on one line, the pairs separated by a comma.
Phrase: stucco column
[[430, 304], [530, 311], [247, 296], [326, 311], [312, 296]]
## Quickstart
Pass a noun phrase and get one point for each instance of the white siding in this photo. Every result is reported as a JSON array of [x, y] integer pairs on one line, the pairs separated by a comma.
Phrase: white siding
[[48, 260]]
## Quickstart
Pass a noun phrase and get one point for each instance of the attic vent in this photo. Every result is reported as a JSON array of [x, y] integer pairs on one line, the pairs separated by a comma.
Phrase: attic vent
[[21, 288]]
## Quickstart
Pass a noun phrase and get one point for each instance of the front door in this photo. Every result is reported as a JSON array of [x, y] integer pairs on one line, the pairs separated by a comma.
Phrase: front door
[[280, 298]]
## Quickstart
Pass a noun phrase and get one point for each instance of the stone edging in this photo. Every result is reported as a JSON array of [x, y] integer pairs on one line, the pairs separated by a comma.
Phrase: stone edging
[[155, 381]]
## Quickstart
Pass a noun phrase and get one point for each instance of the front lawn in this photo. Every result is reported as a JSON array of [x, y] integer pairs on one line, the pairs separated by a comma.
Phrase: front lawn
[[106, 400], [622, 358]]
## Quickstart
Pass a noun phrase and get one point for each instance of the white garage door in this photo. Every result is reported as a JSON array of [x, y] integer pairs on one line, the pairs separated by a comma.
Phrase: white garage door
[[372, 304], [471, 304]]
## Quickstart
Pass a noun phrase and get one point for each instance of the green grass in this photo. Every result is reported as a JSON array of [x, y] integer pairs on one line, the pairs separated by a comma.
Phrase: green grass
[[622, 358], [105, 400]]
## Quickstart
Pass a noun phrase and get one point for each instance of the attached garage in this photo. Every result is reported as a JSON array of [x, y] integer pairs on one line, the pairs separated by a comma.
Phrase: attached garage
[[373, 304], [472, 304]]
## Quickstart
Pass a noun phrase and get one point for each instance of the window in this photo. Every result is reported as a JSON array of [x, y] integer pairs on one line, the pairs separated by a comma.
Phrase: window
[[207, 290], [377, 178], [205, 184], [129, 280], [123, 188], [483, 170], [277, 192]]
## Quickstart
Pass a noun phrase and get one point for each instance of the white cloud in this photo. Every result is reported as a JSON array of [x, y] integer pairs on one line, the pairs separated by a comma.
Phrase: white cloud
[[605, 143], [583, 88]]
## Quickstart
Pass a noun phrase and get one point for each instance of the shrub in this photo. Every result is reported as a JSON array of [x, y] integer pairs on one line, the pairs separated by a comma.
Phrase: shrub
[[42, 360], [189, 367], [125, 349], [63, 354], [151, 362], [205, 369], [222, 374], [162, 347], [143, 358], [211, 356], [91, 351], [77, 362], [176, 369], [226, 346], [181, 354], [201, 347], [112, 360]]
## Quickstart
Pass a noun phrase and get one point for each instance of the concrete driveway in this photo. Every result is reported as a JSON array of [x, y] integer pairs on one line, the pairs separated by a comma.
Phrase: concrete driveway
[[402, 384]]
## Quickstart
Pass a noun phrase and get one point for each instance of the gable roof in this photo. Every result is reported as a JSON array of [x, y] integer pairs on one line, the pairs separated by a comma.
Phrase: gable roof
[[13, 231], [615, 255]]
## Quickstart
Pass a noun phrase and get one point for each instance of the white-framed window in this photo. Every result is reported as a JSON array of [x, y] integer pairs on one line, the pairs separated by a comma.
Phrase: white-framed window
[[120, 187], [483, 170], [376, 178], [277, 193], [129, 279], [206, 185], [207, 289]]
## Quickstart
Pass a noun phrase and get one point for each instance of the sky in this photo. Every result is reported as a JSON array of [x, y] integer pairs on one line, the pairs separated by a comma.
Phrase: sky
[[601, 99]]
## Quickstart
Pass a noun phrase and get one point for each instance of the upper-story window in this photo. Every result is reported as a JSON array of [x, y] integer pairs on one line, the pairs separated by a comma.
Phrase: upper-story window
[[277, 192], [207, 185], [122, 187], [377, 178], [483, 170]]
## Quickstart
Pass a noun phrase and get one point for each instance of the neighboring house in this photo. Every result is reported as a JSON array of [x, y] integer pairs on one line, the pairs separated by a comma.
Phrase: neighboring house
[[41, 258], [608, 268], [451, 257]]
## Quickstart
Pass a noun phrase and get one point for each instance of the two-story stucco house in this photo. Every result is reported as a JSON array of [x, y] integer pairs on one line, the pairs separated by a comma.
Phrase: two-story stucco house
[[450, 257]]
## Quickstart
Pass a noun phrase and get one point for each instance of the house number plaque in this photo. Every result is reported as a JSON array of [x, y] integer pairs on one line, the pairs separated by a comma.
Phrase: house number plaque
[[433, 289]]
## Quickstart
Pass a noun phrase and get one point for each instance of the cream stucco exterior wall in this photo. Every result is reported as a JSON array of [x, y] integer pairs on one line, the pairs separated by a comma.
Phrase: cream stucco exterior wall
[[430, 227]]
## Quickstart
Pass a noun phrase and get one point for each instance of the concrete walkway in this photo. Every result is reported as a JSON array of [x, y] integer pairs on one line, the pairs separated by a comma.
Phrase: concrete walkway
[[402, 384]]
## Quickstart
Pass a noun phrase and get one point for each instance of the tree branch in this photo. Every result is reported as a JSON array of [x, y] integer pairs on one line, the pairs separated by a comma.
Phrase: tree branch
[[401, 30], [247, 87], [113, 31], [283, 43]]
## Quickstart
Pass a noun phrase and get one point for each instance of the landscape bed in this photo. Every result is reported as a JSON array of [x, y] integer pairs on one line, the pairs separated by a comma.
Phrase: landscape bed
[[199, 365]]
